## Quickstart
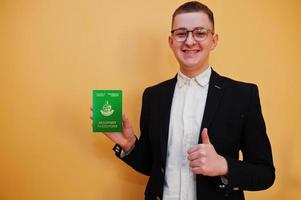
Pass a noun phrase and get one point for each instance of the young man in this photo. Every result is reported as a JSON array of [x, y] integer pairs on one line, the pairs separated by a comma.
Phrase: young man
[[194, 125]]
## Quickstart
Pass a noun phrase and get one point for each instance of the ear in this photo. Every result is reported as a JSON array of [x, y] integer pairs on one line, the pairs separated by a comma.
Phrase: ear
[[214, 41], [170, 41]]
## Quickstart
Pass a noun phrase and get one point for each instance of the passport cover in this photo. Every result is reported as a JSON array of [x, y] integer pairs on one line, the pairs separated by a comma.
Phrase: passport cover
[[107, 110]]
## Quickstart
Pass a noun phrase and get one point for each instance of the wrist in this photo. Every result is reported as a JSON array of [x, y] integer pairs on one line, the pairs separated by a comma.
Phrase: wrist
[[129, 145], [224, 166]]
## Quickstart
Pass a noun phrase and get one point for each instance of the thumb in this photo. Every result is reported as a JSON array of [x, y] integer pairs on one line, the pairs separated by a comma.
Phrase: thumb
[[125, 121], [126, 125], [205, 137]]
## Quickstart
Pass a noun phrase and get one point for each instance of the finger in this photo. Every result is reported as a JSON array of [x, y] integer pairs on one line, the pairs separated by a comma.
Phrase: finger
[[124, 119], [196, 155], [197, 163], [193, 149], [194, 164], [109, 135], [125, 122], [197, 170], [106, 133], [205, 137]]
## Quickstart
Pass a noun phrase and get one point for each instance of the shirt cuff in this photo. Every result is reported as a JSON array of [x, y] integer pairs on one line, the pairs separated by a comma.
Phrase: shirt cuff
[[120, 152]]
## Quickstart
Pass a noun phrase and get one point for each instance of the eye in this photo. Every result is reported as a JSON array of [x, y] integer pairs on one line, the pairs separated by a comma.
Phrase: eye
[[180, 33], [200, 33]]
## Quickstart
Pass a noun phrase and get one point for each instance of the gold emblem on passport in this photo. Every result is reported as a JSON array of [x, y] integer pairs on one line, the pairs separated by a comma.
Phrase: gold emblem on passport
[[107, 109]]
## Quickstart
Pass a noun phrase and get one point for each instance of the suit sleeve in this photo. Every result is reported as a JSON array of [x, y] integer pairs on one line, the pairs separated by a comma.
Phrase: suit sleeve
[[140, 158], [256, 171]]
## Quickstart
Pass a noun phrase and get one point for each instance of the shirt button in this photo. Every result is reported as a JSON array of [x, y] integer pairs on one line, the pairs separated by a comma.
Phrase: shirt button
[[236, 188]]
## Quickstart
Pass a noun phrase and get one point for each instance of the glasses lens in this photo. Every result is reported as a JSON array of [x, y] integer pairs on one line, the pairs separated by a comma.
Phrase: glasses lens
[[180, 35], [200, 34]]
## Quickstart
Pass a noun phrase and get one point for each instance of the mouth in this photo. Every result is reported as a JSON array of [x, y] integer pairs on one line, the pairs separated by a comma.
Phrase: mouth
[[190, 51]]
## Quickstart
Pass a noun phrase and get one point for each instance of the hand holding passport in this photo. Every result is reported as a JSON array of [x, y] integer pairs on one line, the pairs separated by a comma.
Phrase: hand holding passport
[[107, 118], [126, 139]]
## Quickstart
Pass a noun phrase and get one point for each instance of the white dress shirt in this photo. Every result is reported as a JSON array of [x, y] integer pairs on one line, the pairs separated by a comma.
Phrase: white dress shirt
[[186, 116]]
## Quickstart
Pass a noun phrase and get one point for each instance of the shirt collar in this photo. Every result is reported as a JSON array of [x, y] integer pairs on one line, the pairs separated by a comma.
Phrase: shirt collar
[[202, 79]]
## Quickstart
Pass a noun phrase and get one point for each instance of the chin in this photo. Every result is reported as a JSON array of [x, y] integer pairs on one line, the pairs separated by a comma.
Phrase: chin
[[191, 62], [190, 66]]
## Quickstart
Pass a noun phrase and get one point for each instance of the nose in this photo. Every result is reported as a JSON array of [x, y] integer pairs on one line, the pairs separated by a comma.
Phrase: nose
[[190, 39]]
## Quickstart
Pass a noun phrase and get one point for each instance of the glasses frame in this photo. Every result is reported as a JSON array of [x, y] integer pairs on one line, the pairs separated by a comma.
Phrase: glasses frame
[[192, 32]]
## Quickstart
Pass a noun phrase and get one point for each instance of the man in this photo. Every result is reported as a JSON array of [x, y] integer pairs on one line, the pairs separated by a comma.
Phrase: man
[[194, 125]]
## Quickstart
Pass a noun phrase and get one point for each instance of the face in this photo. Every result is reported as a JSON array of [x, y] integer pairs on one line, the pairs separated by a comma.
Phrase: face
[[193, 56]]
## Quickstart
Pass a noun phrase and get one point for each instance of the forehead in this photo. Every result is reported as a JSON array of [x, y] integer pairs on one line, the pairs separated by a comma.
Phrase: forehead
[[191, 20]]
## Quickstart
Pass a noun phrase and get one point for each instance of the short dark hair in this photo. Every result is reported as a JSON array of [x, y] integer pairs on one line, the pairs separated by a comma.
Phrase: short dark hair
[[194, 6]]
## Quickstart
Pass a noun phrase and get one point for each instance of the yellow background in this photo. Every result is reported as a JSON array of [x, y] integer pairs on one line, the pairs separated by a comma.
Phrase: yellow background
[[53, 53]]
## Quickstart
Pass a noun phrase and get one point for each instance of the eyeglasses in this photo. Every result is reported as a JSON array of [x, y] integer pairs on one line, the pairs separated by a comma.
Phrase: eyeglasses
[[199, 34]]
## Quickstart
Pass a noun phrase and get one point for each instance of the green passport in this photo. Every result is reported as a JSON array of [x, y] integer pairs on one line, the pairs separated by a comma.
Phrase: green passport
[[107, 110]]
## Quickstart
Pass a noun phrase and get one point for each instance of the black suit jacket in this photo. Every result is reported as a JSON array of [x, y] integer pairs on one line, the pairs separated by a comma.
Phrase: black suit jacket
[[235, 123]]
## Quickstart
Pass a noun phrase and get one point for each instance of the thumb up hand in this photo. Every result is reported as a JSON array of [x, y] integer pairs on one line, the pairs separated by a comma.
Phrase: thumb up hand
[[204, 160]]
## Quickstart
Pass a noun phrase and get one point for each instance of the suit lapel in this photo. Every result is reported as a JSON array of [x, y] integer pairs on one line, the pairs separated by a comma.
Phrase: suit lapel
[[214, 96], [166, 96]]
